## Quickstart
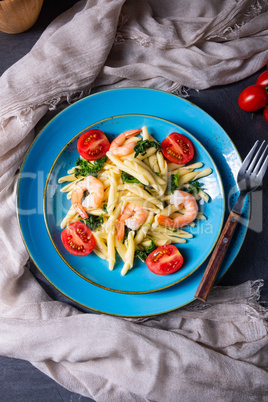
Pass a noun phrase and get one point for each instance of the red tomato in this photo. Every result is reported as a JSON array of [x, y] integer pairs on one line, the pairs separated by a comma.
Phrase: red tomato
[[78, 239], [263, 79], [265, 114], [164, 260], [253, 98], [177, 148], [93, 145]]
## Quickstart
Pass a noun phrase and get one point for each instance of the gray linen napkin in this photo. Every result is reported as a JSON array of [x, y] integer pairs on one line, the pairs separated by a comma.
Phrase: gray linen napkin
[[218, 350]]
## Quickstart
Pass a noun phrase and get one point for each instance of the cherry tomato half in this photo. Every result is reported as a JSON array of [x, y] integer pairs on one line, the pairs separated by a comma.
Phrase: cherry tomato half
[[253, 98], [93, 145], [78, 239], [177, 148], [263, 79], [164, 260], [265, 114]]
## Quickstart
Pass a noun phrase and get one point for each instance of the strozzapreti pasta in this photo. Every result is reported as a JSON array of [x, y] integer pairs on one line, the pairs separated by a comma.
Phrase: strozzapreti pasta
[[140, 206]]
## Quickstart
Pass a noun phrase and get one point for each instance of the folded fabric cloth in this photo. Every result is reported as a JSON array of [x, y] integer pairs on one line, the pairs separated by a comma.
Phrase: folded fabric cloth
[[217, 350]]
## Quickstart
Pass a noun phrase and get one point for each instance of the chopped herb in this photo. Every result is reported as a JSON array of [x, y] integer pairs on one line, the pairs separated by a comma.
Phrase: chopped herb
[[104, 208], [141, 254], [174, 182], [158, 174], [151, 247], [145, 251], [194, 188], [143, 145], [87, 168], [94, 222], [128, 178]]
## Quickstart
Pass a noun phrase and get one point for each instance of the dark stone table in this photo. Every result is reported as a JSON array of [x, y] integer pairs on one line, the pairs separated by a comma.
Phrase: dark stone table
[[19, 380]]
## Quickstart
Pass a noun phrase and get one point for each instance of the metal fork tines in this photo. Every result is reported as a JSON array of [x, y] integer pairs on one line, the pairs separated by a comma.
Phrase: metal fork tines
[[251, 173]]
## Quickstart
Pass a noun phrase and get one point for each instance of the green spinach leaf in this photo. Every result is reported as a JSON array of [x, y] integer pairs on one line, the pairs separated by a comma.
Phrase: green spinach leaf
[[87, 168], [145, 251], [194, 187], [143, 145], [104, 208], [174, 182], [128, 178], [93, 221]]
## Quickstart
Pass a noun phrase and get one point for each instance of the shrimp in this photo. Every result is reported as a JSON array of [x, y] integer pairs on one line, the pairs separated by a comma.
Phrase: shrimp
[[92, 201], [191, 210], [118, 147], [133, 217]]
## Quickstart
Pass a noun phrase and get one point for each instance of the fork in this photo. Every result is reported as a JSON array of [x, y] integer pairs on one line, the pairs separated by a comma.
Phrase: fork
[[249, 178]]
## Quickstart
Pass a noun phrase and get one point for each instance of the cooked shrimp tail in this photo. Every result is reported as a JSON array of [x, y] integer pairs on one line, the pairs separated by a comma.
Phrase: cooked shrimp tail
[[133, 217], [165, 221], [120, 230], [191, 210], [92, 201], [120, 148]]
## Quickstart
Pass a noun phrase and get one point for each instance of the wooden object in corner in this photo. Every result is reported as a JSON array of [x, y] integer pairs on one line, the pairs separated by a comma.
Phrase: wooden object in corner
[[217, 257], [17, 16]]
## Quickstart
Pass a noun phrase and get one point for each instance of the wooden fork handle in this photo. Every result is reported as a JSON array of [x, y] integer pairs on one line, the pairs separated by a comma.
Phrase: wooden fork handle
[[217, 257]]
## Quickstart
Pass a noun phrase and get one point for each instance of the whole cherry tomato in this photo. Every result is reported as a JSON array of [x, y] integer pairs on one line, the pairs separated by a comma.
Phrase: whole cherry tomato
[[263, 79], [253, 98], [265, 114]]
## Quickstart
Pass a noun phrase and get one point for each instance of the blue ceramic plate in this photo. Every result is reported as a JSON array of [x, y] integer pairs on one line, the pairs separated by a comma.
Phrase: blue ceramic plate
[[49, 144], [140, 278]]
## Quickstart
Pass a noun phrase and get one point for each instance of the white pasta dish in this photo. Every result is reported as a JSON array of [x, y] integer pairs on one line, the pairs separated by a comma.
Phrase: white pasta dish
[[132, 200]]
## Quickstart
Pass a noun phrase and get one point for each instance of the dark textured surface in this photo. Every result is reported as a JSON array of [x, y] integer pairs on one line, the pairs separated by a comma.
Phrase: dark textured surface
[[19, 380]]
